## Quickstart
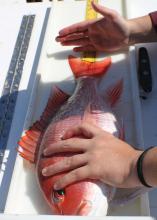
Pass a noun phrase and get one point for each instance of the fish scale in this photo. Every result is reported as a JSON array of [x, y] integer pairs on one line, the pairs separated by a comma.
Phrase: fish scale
[[62, 113]]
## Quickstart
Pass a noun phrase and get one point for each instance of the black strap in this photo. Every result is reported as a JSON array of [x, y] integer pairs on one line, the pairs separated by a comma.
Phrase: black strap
[[140, 167]]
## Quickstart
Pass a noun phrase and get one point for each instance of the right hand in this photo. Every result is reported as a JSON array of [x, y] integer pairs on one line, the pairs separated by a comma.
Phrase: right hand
[[109, 33], [99, 155]]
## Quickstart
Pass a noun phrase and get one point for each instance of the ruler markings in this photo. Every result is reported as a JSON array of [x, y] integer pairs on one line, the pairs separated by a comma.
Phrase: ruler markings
[[90, 56], [11, 85]]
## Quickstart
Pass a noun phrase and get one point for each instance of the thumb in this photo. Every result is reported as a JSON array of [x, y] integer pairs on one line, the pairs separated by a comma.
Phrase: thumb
[[106, 12]]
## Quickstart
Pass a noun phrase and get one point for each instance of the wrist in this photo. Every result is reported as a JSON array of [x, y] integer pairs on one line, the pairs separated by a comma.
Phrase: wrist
[[150, 166], [141, 30], [135, 182]]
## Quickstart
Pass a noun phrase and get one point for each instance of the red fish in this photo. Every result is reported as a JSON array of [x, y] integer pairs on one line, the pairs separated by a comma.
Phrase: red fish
[[88, 197]]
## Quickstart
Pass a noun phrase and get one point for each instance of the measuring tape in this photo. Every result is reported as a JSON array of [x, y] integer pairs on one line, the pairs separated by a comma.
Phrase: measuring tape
[[12, 81], [90, 56]]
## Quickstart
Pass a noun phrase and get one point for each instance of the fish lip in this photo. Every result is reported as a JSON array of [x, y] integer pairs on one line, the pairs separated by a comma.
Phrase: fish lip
[[86, 206]]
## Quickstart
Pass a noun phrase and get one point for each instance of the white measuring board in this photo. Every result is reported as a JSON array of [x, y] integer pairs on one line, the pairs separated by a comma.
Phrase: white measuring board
[[46, 217], [24, 196], [27, 82]]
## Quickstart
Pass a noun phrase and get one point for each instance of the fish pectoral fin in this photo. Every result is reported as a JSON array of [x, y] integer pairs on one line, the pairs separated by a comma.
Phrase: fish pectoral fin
[[114, 93], [30, 142], [84, 68]]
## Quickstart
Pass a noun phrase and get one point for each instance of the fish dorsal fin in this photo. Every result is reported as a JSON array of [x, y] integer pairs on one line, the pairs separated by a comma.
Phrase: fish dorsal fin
[[122, 132], [114, 93], [84, 68], [29, 143]]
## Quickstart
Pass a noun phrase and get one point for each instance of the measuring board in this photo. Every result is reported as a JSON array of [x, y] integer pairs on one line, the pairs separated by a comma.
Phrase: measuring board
[[19, 82], [11, 85], [90, 56]]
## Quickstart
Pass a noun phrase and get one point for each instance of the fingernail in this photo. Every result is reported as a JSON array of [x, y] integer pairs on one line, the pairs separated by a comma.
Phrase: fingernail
[[55, 186], [57, 39], [62, 137], [45, 152], [44, 171]]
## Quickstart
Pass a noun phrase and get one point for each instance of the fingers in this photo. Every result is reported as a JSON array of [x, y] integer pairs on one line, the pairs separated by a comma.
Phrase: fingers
[[70, 145], [83, 42], [78, 27], [85, 48], [73, 36], [85, 130], [73, 176], [106, 12], [67, 164]]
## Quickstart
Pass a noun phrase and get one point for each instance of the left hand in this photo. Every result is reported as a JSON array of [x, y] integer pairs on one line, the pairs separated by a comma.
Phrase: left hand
[[109, 33], [99, 155]]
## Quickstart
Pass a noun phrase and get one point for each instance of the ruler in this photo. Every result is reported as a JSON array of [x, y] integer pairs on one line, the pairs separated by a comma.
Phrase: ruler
[[12, 81], [90, 56]]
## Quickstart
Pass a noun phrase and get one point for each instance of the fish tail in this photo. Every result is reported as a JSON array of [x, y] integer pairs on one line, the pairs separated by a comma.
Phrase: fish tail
[[29, 143], [84, 68]]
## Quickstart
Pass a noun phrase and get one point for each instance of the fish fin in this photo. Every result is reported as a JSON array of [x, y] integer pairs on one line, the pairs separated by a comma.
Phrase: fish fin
[[26, 155], [84, 68], [29, 143], [122, 132], [115, 92]]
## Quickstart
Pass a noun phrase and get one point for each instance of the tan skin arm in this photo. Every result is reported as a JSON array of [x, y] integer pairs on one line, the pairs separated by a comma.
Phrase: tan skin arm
[[150, 167], [112, 160], [109, 33]]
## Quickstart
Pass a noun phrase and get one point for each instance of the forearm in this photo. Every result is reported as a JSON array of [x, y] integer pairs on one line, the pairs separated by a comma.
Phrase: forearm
[[141, 30], [150, 167]]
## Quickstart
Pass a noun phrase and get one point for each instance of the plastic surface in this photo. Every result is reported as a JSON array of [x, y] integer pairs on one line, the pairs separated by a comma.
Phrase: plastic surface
[[46, 217], [24, 196]]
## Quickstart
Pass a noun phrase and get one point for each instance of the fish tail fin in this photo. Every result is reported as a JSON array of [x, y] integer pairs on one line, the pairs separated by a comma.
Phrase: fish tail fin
[[29, 143], [115, 92], [84, 68]]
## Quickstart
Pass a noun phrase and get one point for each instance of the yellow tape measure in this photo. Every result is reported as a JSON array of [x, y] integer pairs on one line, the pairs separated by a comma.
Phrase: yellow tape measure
[[90, 14]]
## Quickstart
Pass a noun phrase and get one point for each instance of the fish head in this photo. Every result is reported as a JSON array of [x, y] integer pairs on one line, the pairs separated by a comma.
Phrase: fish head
[[81, 198], [72, 200]]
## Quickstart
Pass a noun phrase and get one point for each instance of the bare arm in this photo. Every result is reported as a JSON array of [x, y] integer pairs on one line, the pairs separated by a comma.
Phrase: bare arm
[[112, 161], [102, 157], [150, 167], [141, 30], [110, 33]]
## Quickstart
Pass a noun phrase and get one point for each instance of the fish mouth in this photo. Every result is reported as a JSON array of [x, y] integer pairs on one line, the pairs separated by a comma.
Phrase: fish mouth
[[84, 207]]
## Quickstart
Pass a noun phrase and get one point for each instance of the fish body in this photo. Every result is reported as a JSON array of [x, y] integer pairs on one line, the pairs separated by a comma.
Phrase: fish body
[[87, 197]]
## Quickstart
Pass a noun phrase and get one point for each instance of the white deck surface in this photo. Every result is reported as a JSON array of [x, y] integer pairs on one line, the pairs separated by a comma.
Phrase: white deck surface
[[149, 106], [53, 68], [46, 217]]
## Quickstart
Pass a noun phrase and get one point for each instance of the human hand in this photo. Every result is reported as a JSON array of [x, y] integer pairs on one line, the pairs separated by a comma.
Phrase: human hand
[[109, 33], [99, 155]]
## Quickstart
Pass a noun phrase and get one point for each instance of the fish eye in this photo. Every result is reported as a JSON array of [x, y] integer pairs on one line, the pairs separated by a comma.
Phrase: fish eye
[[58, 195]]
